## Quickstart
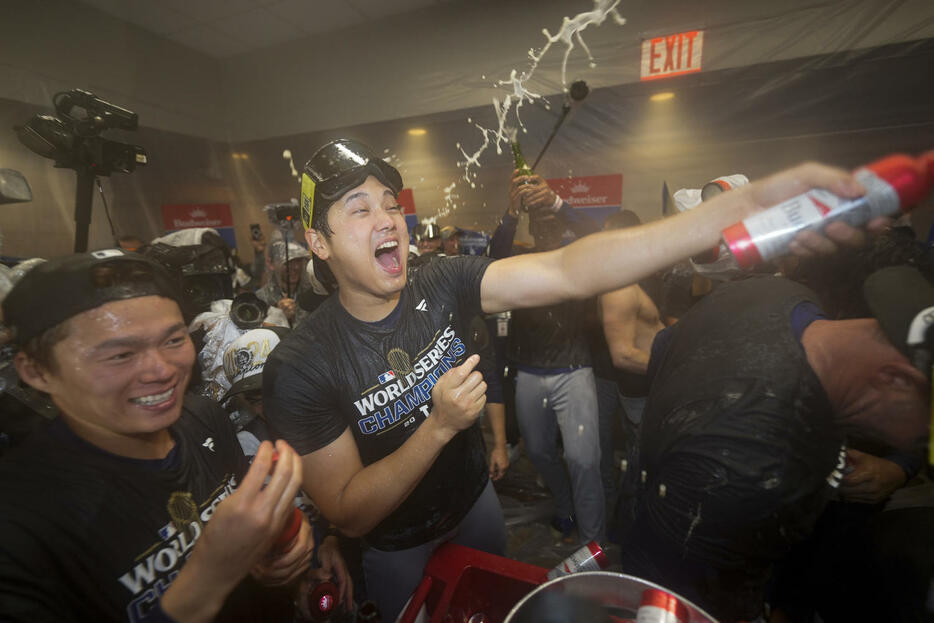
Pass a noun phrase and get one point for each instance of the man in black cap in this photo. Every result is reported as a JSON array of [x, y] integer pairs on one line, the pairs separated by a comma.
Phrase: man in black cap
[[428, 238], [754, 396], [451, 240], [377, 391], [136, 503]]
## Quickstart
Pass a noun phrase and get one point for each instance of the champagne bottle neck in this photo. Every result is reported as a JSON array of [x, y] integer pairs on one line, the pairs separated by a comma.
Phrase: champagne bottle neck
[[519, 160]]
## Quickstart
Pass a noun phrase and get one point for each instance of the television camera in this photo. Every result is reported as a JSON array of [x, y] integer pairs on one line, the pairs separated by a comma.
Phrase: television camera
[[72, 138]]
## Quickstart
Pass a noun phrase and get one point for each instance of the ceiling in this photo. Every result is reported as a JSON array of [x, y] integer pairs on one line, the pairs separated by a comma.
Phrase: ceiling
[[224, 28]]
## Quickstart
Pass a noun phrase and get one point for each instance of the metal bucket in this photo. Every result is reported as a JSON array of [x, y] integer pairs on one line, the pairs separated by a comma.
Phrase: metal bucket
[[591, 597]]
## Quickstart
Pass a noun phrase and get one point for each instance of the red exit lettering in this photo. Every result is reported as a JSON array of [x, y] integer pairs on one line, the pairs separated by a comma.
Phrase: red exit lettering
[[672, 55]]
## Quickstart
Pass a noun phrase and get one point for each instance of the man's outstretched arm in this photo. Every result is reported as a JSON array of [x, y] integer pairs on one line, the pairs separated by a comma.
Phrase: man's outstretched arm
[[614, 259]]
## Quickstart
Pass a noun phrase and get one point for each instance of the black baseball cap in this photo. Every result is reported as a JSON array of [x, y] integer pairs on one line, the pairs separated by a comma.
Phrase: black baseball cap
[[338, 167], [63, 287], [427, 231]]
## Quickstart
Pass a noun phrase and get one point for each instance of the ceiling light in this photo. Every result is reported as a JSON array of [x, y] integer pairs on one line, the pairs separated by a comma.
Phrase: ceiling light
[[418, 131], [662, 97]]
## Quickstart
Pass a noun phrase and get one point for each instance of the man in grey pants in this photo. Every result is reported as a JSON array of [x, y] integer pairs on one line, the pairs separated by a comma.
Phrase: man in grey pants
[[555, 386]]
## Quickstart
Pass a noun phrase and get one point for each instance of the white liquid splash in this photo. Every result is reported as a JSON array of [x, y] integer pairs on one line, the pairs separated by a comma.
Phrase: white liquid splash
[[287, 155], [450, 201], [519, 94]]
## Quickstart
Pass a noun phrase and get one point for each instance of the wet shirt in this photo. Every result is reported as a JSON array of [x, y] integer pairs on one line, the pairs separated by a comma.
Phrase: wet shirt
[[553, 337], [86, 535], [336, 372], [740, 450]]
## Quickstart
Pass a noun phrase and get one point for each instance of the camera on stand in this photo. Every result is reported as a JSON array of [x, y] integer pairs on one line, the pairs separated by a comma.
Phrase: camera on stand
[[72, 138], [282, 215]]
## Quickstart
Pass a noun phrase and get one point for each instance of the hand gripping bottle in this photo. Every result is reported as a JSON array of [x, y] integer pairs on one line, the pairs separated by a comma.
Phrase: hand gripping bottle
[[522, 166], [893, 184], [292, 525]]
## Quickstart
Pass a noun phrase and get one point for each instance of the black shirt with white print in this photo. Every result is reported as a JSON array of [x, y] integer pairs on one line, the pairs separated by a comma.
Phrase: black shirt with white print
[[336, 372], [86, 535]]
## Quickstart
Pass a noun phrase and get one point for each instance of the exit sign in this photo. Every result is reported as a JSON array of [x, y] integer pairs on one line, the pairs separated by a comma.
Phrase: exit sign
[[672, 55]]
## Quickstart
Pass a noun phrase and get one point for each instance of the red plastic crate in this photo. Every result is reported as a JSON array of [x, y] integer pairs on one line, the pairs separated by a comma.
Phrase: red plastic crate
[[460, 582]]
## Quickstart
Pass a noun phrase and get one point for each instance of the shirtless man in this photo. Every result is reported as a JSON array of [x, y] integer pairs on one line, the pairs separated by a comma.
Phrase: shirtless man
[[630, 318]]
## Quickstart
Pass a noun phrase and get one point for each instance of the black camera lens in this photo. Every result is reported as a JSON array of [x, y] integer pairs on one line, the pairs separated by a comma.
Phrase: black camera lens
[[247, 311]]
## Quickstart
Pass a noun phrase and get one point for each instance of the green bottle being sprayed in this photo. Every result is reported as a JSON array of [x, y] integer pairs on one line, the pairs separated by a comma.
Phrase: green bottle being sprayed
[[519, 159], [520, 164]]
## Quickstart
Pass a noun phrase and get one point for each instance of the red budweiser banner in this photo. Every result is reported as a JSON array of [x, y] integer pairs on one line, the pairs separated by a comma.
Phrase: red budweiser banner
[[196, 215], [214, 215], [407, 201], [591, 191]]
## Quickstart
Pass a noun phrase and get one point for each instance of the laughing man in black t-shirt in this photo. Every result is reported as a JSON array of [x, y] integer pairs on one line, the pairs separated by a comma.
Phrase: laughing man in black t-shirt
[[377, 390], [136, 504]]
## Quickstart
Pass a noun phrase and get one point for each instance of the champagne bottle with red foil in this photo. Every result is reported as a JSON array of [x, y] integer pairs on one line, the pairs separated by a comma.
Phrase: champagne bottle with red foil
[[893, 184], [588, 558]]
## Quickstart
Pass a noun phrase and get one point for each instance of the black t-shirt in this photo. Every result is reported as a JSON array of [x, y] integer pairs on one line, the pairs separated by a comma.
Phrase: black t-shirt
[[335, 371], [742, 435], [554, 336], [86, 535]]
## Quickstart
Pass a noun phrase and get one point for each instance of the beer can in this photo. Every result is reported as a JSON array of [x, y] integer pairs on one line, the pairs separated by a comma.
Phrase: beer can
[[588, 558], [657, 606]]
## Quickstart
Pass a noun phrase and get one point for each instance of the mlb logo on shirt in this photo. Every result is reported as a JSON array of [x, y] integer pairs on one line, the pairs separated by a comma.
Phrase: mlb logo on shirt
[[167, 531], [386, 376]]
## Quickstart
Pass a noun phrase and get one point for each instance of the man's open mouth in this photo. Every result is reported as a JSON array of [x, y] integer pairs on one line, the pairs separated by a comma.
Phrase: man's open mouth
[[387, 254]]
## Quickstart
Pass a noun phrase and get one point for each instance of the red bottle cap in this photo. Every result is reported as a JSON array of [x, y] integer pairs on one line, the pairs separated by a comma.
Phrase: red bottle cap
[[322, 600], [597, 552], [910, 177], [740, 243]]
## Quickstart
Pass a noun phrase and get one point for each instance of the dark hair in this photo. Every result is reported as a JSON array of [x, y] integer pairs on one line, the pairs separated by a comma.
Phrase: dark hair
[[39, 348], [319, 220]]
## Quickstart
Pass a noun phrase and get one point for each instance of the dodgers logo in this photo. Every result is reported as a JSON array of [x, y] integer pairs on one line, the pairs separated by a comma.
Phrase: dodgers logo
[[243, 358]]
